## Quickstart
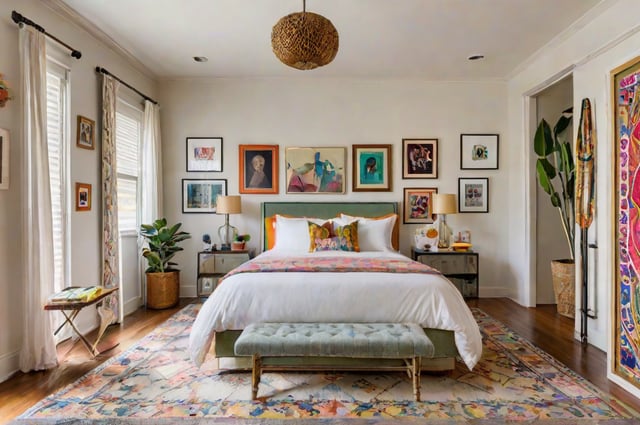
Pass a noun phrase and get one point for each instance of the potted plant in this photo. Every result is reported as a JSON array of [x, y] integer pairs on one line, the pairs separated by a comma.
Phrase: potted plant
[[556, 175], [163, 280], [239, 242]]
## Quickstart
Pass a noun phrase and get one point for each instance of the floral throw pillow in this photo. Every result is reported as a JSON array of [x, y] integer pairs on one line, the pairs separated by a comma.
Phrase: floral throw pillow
[[348, 235], [318, 232]]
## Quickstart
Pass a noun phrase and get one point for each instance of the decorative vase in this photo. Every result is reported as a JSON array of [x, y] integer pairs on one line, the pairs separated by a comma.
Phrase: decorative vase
[[563, 275]]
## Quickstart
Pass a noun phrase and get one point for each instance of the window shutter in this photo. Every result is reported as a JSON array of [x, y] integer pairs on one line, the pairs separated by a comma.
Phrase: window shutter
[[128, 136]]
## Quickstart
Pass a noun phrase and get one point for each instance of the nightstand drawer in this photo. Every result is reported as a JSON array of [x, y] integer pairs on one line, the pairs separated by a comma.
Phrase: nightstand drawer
[[452, 264], [221, 263]]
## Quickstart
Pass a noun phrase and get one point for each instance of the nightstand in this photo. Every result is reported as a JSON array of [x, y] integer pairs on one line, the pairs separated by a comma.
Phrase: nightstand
[[461, 268], [212, 265]]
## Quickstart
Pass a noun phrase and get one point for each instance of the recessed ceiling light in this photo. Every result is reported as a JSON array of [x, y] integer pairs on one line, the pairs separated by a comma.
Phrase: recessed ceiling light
[[200, 58], [475, 57]]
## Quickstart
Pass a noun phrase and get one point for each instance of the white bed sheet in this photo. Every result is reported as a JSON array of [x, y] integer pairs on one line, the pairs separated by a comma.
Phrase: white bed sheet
[[429, 300]]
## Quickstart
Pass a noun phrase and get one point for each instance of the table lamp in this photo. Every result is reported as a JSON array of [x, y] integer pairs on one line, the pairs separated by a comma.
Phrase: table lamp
[[443, 204], [227, 205]]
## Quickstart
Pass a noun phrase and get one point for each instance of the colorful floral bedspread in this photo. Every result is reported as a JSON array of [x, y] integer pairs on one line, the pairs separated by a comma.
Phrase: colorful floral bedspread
[[335, 264]]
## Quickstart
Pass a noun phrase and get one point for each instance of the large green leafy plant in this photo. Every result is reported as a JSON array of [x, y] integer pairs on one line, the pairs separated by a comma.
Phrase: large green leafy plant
[[163, 245], [556, 169]]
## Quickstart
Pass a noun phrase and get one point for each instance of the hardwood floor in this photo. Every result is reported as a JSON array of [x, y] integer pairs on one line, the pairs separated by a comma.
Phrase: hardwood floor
[[548, 330]]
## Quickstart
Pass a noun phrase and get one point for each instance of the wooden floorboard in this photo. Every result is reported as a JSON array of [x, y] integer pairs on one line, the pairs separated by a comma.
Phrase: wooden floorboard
[[541, 325]]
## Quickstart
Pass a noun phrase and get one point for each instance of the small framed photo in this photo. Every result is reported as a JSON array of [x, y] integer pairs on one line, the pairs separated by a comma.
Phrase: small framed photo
[[258, 165], [315, 170], [479, 151], [371, 168], [419, 158], [83, 197], [462, 236], [204, 154], [418, 205], [86, 133], [4, 159], [201, 195], [473, 195]]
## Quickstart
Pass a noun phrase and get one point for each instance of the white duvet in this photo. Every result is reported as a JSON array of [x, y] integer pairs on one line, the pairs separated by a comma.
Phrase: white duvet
[[429, 300]]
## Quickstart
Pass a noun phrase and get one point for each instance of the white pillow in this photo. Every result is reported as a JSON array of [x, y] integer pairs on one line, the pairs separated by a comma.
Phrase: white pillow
[[374, 234], [292, 233]]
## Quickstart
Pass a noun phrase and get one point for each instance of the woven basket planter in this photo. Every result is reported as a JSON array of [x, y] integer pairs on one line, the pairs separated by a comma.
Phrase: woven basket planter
[[163, 289], [563, 274]]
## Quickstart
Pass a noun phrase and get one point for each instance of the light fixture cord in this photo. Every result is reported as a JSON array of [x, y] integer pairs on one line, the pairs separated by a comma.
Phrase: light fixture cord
[[304, 6]]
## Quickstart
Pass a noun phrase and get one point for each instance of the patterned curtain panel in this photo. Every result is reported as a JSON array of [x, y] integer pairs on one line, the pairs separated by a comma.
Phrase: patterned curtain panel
[[110, 234], [38, 347]]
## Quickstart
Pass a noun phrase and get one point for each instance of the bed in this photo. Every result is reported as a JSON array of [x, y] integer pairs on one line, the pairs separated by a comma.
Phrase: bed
[[373, 293]]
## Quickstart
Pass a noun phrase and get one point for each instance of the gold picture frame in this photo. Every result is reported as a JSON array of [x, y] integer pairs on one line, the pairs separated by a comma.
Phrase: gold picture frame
[[85, 134]]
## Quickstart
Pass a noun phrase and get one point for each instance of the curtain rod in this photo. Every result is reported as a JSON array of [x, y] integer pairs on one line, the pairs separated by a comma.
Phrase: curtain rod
[[20, 20], [104, 71]]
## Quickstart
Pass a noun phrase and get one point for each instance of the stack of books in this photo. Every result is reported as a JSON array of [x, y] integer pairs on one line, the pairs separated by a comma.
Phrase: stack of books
[[75, 294]]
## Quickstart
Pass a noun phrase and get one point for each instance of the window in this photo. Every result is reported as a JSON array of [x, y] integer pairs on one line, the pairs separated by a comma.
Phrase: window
[[58, 145], [128, 141]]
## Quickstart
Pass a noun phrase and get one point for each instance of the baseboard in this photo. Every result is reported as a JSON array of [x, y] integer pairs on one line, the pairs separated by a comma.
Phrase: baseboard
[[188, 291], [494, 292], [9, 365], [132, 305]]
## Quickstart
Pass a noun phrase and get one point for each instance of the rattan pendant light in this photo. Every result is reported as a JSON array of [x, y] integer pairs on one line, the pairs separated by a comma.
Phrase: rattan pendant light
[[304, 40]]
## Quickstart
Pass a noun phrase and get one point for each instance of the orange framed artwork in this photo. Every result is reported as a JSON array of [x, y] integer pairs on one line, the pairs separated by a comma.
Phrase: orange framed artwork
[[258, 165], [83, 197]]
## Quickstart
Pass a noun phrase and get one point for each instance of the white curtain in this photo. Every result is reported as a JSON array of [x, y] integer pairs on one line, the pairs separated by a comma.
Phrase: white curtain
[[110, 233], [38, 347], [151, 172]]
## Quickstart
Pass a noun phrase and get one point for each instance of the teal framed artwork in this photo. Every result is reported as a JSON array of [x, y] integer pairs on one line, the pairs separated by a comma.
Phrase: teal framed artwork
[[371, 168]]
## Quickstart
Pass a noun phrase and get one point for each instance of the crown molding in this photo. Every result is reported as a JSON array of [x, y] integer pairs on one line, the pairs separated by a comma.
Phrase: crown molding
[[74, 17]]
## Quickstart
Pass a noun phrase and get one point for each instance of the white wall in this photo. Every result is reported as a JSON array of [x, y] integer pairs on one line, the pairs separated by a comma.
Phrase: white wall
[[337, 112], [85, 165], [594, 49]]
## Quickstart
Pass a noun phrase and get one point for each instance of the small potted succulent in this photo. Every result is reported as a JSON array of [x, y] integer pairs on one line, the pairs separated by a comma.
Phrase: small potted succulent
[[239, 242]]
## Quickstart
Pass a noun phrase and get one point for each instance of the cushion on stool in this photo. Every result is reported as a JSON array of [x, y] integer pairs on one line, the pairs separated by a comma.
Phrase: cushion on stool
[[375, 340]]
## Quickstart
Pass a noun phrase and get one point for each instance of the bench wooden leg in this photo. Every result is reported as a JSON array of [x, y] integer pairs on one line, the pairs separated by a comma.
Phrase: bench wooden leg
[[416, 366], [255, 376]]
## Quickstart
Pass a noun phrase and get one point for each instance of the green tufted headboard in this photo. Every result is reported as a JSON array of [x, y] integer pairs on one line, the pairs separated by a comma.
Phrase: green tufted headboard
[[329, 210]]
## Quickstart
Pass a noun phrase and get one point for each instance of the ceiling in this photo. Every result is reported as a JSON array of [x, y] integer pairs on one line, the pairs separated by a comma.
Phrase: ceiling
[[429, 39]]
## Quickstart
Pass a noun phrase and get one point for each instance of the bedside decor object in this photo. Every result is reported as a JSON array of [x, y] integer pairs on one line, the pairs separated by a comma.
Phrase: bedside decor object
[[4, 159], [479, 151], [258, 165], [86, 129], [83, 197], [418, 205], [473, 195], [443, 204], [371, 168], [5, 95], [240, 242], [163, 281], [228, 205], [206, 242], [204, 153], [419, 158], [201, 195], [426, 238], [304, 40]]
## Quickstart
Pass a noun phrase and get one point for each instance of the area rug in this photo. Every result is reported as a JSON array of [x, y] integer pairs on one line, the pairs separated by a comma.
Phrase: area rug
[[154, 382]]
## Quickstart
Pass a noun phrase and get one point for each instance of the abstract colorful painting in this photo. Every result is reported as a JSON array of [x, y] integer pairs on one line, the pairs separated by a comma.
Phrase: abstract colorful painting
[[626, 115], [315, 170]]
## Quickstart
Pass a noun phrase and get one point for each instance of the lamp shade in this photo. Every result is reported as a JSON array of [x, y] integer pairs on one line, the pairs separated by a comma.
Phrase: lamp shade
[[444, 203], [304, 40], [228, 204]]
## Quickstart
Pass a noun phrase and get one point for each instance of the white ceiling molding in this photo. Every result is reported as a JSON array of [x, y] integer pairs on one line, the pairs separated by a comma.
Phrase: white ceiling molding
[[74, 17]]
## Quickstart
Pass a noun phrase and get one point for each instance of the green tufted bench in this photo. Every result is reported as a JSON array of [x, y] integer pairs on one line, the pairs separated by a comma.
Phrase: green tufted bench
[[406, 341]]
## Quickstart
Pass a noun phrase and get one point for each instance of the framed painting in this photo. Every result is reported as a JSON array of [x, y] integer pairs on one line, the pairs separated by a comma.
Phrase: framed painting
[[258, 165], [83, 197], [86, 130], [4, 159], [371, 168], [479, 151], [315, 170], [473, 195], [626, 333], [201, 195], [419, 158], [418, 205], [204, 154]]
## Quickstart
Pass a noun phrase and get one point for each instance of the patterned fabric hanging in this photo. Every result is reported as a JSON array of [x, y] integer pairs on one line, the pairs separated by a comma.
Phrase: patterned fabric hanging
[[585, 147]]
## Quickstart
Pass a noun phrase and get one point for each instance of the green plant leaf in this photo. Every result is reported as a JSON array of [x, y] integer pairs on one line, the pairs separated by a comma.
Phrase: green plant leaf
[[543, 143]]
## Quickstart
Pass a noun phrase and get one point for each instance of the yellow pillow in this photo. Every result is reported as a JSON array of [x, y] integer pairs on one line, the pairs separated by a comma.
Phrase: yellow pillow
[[348, 235], [318, 232]]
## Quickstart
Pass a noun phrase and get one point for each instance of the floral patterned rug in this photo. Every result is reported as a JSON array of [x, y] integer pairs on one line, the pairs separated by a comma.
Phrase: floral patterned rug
[[154, 381]]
